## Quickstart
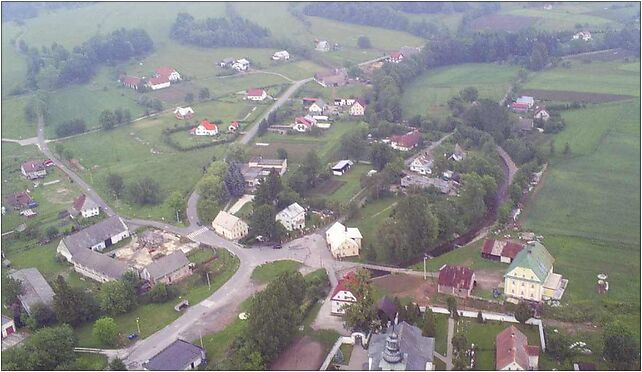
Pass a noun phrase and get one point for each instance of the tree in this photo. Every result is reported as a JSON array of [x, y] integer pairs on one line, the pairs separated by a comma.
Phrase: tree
[[106, 331], [460, 346], [176, 201], [452, 306], [269, 189], [380, 155], [539, 57], [204, 94], [189, 97], [115, 184], [557, 346], [236, 153], [428, 327], [311, 168], [363, 42], [620, 347], [359, 315], [11, 289], [234, 180], [73, 305], [503, 215], [469, 94], [282, 153], [107, 119], [41, 316], [480, 317], [117, 297], [51, 232], [213, 188], [144, 191], [567, 149], [523, 312], [262, 222], [161, 293], [117, 365], [47, 349]]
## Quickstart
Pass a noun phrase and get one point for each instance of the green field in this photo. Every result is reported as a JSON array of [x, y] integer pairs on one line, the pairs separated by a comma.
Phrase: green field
[[371, 217], [563, 16], [269, 271], [91, 362], [14, 67], [468, 256], [351, 184], [14, 124], [430, 92]]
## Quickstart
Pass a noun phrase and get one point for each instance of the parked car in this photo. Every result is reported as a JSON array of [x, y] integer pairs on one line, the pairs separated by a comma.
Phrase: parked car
[[132, 336], [277, 246]]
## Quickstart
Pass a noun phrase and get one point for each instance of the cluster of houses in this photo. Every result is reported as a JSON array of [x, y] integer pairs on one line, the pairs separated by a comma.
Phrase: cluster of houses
[[239, 65], [527, 109], [421, 171], [258, 167], [583, 35], [22, 201], [204, 127], [163, 77], [324, 46], [399, 55], [318, 113]]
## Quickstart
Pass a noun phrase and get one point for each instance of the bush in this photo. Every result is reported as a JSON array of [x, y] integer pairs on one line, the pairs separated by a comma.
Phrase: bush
[[161, 293], [106, 331]]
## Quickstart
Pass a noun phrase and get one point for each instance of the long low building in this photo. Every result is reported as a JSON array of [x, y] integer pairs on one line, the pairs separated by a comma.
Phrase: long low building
[[35, 288]]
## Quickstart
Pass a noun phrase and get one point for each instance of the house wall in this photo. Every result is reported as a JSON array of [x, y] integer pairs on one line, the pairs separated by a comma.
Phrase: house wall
[[88, 272], [462, 292], [357, 110], [338, 307], [176, 276], [518, 284], [258, 98], [295, 223], [90, 212], [204, 132], [35, 174], [160, 86], [62, 249], [512, 367], [8, 329], [347, 248], [239, 231]]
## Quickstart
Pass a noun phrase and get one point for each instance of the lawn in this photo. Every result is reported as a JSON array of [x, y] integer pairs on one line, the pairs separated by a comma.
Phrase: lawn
[[267, 272], [429, 93], [371, 217], [14, 67], [563, 16], [468, 256], [350, 187], [441, 333], [91, 362], [14, 124], [156, 316]]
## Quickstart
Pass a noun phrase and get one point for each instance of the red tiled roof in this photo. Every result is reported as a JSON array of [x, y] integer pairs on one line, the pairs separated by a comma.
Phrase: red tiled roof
[[234, 124], [130, 80], [342, 285], [207, 125], [33, 165], [456, 277], [310, 99], [532, 350], [408, 139], [255, 92], [510, 248], [302, 120], [519, 105], [511, 345], [79, 201], [159, 80], [165, 71], [395, 55]]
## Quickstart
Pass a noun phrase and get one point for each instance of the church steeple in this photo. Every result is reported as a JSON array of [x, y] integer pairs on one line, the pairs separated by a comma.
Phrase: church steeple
[[392, 354]]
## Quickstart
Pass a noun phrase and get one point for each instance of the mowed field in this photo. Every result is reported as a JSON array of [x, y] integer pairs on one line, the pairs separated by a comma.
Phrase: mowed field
[[430, 92]]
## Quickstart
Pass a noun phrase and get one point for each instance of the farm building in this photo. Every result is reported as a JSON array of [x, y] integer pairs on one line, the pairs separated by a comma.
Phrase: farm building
[[343, 241], [205, 128], [255, 94], [184, 113], [226, 62], [456, 280], [342, 295], [8, 327], [501, 250], [458, 154], [281, 165], [407, 51], [422, 164], [168, 72], [401, 348], [132, 82], [322, 46], [85, 207], [304, 124], [158, 82], [583, 35], [513, 353], [20, 200], [332, 78], [33, 169], [406, 142], [530, 101], [413, 180], [292, 217], [344, 101], [229, 226], [530, 276], [519, 107], [178, 356], [395, 57], [35, 289], [358, 108], [541, 114], [168, 269], [234, 126], [281, 55], [241, 64], [342, 167], [253, 176], [524, 125], [317, 107]]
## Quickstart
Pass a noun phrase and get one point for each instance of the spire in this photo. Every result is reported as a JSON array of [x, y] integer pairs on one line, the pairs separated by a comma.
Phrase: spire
[[392, 354]]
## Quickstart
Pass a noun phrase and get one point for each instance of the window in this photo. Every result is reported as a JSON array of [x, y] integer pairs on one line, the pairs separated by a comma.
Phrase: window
[[522, 284], [532, 285]]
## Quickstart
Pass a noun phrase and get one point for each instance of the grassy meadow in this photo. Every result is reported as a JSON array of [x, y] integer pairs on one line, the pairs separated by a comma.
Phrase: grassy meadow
[[563, 16], [14, 124]]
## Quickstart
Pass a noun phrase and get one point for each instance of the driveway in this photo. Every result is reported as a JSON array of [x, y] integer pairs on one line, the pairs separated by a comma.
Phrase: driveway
[[13, 340]]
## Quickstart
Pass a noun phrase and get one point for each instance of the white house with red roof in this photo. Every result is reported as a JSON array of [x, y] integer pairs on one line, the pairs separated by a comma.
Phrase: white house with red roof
[[84, 206], [405, 142], [513, 353], [358, 108], [342, 296], [205, 128], [158, 82], [234, 126], [395, 57], [170, 73], [304, 124], [184, 113], [33, 169], [256, 94], [541, 114]]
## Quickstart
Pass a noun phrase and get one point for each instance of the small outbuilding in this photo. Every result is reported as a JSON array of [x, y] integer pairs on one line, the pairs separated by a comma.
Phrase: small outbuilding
[[342, 167]]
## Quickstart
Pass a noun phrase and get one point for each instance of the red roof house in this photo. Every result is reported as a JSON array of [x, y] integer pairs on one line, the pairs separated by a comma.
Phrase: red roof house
[[303, 124], [132, 82], [395, 57], [205, 128], [234, 126], [33, 169], [169, 72], [456, 280], [519, 107], [256, 94], [405, 142], [501, 250], [342, 294], [512, 351], [158, 82]]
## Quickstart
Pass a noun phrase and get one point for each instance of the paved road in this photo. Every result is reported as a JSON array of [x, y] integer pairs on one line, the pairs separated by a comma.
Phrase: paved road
[[22, 142], [449, 345]]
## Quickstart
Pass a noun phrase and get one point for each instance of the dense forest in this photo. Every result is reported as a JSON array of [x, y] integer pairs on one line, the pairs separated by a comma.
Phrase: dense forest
[[19, 11], [219, 32]]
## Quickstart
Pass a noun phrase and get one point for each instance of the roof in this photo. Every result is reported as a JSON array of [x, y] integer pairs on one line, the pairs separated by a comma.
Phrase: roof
[[408, 51], [416, 349], [159, 80], [407, 140], [502, 248], [177, 356], [456, 277], [459, 151], [519, 105], [228, 60], [319, 102], [234, 124], [18, 199], [83, 203], [35, 288], [184, 110], [360, 101], [255, 92], [387, 307], [303, 120], [342, 164], [6, 320], [395, 55], [243, 61], [130, 80], [293, 210], [353, 233], [261, 161], [511, 345], [336, 75], [207, 125], [165, 71], [226, 220], [423, 160], [525, 124], [536, 258], [94, 234], [33, 166], [167, 264], [344, 282]]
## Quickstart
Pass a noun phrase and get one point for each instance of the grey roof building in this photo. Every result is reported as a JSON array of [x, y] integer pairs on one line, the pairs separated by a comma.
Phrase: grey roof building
[[95, 234], [178, 356], [401, 348], [165, 266], [35, 288]]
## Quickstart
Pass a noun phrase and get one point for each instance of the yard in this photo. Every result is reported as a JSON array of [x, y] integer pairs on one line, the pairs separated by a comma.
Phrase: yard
[[563, 16], [265, 273], [370, 217], [348, 184], [14, 124]]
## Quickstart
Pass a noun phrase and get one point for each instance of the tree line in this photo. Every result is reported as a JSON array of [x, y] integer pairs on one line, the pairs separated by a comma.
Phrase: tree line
[[233, 31]]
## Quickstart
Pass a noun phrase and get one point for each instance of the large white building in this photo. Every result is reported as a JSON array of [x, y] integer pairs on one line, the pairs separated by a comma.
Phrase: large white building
[[85, 206], [342, 296], [343, 242], [292, 217], [229, 226], [281, 55]]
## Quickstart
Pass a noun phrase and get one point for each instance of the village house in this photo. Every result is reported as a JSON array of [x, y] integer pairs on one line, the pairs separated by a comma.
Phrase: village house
[[358, 108], [33, 169], [178, 356], [443, 186], [405, 142], [395, 57], [501, 250], [132, 82], [524, 124], [168, 72], [456, 280], [343, 242], [332, 78], [234, 126], [342, 167], [167, 269], [513, 353], [281, 55], [407, 51], [292, 217], [205, 128], [226, 62], [541, 114], [20, 200], [158, 82], [401, 348], [255, 94], [342, 296], [281, 165], [229, 226], [317, 107], [304, 124], [322, 46], [184, 113], [8, 327], [459, 154], [583, 35], [519, 107], [85, 207], [35, 289], [530, 276], [344, 101], [80, 249], [530, 101], [422, 164], [241, 65], [258, 168], [308, 101]]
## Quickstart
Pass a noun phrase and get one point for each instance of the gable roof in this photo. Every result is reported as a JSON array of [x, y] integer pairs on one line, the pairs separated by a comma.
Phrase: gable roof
[[157, 80], [416, 349], [304, 121], [519, 105], [207, 125], [344, 282], [18, 199], [407, 140], [226, 220], [459, 151], [501, 248], [342, 164], [165, 71], [82, 202], [396, 55], [511, 345], [409, 51], [291, 211], [234, 124], [33, 166], [184, 110], [319, 102], [130, 80], [177, 356], [456, 277], [255, 92], [535, 257], [94, 234], [167, 264], [35, 288]]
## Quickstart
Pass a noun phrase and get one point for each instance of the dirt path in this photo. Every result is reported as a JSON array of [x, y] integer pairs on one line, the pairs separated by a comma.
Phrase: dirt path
[[304, 354]]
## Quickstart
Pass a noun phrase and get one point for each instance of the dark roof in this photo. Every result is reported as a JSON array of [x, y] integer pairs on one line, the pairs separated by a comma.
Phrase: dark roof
[[387, 307], [35, 288], [407, 140], [456, 276], [525, 124], [416, 349], [33, 166], [94, 234], [501, 248], [167, 265], [19, 199], [101, 263], [176, 357], [580, 366]]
